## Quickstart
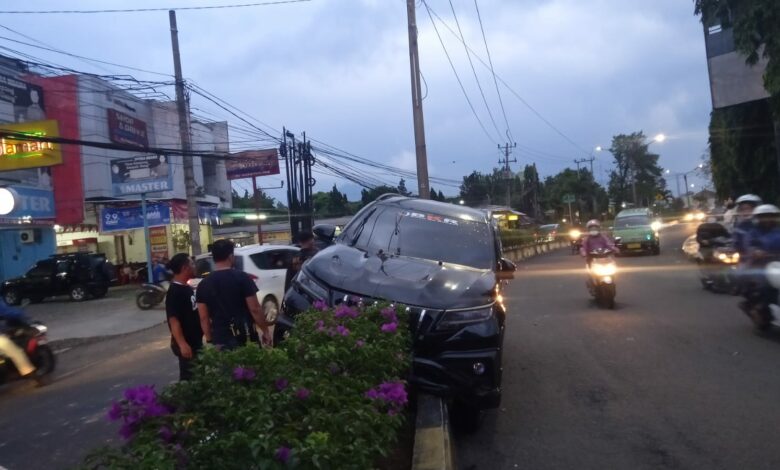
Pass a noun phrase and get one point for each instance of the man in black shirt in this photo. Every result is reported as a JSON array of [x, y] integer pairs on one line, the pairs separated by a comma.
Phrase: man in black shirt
[[182, 313], [227, 302]]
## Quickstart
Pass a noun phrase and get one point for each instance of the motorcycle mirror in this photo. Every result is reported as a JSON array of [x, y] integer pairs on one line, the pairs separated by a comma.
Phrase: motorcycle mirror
[[506, 269]]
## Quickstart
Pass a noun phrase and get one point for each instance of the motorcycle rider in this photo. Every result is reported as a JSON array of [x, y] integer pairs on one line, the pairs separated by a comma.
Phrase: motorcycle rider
[[743, 222], [594, 239], [8, 347], [764, 246]]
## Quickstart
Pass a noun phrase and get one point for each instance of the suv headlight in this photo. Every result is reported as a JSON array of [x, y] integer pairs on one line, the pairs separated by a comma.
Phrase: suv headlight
[[453, 319], [311, 287]]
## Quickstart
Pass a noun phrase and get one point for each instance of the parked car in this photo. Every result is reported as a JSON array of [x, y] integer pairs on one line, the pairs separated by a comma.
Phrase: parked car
[[636, 231], [548, 233], [78, 275], [444, 263], [267, 265]]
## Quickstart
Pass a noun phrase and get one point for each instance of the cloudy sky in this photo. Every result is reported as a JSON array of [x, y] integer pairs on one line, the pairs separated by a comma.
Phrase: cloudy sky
[[339, 70]]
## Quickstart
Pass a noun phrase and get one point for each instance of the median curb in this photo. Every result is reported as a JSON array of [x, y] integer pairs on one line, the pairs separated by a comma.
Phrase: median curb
[[525, 252], [432, 439]]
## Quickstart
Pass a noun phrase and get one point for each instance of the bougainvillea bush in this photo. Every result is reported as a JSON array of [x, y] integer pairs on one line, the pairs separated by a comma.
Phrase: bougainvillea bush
[[331, 396]]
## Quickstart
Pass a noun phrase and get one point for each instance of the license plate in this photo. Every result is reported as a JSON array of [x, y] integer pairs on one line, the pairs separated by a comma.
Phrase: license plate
[[634, 246]]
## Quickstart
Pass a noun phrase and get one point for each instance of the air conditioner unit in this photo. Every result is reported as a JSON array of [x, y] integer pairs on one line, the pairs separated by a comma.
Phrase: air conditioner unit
[[27, 236]]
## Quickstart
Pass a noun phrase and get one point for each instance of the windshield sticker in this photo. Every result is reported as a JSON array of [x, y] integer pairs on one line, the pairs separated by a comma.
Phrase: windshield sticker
[[430, 217]]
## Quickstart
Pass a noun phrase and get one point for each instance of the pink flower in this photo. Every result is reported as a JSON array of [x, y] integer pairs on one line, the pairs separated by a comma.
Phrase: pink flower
[[302, 393], [342, 330], [390, 327], [281, 384], [115, 412], [345, 311], [320, 325], [282, 454], [360, 343], [389, 314], [320, 305], [244, 374]]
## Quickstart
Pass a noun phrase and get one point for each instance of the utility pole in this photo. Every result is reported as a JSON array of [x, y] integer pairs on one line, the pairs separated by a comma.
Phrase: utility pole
[[508, 172], [186, 143], [423, 187], [586, 160]]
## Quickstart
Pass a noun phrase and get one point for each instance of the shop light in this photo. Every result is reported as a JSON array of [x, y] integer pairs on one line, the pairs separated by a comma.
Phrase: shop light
[[255, 216]]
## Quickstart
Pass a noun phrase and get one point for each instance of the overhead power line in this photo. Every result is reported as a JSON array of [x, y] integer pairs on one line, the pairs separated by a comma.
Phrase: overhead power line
[[141, 10]]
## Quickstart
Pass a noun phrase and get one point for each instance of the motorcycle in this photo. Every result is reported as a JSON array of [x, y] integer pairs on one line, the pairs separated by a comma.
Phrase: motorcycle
[[718, 262], [575, 240], [151, 295], [764, 311], [601, 280], [31, 338]]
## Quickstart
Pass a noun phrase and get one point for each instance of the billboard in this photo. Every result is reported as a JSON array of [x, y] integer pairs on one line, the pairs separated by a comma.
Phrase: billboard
[[21, 99], [125, 129], [115, 219], [25, 203], [252, 163], [158, 239], [16, 154], [143, 174]]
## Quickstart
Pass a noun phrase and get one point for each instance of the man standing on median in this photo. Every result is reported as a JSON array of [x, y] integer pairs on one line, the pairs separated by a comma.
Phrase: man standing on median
[[182, 313], [227, 302]]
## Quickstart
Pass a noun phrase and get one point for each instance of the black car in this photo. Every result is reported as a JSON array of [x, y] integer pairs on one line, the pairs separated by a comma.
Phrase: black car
[[444, 263], [78, 275]]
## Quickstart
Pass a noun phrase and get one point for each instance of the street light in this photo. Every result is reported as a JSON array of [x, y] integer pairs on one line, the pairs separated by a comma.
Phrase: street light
[[462, 202]]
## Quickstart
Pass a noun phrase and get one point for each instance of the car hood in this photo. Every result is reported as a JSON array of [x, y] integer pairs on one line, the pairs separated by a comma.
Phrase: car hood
[[633, 233], [411, 281], [13, 281]]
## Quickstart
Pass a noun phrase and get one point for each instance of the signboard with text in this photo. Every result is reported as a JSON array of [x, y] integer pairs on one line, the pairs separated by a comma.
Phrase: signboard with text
[[158, 239], [125, 129], [22, 100], [252, 163], [115, 219], [138, 175], [28, 151]]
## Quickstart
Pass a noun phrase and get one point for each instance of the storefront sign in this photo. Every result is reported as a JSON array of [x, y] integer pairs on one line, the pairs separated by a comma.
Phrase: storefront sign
[[158, 238], [114, 219], [252, 163], [144, 174], [28, 152], [25, 98], [125, 129], [26, 204]]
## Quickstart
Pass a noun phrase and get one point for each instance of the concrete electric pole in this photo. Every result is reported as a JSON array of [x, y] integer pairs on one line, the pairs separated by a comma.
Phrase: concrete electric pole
[[508, 172], [186, 143], [423, 186]]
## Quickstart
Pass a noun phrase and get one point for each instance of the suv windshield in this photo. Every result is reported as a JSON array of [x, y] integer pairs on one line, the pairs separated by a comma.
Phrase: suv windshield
[[417, 234], [632, 221]]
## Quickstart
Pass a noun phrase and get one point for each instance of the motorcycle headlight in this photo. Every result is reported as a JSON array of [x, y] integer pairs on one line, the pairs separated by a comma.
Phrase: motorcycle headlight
[[311, 287], [453, 319], [574, 234], [604, 269], [727, 256], [656, 225]]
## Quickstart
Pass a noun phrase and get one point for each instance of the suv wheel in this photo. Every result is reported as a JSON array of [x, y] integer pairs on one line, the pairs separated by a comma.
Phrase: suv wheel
[[78, 293], [11, 297]]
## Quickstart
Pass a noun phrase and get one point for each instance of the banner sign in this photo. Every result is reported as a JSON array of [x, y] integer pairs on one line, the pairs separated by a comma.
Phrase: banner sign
[[252, 163], [145, 174], [114, 219], [16, 154], [125, 129], [158, 239], [207, 215], [25, 98], [25, 204]]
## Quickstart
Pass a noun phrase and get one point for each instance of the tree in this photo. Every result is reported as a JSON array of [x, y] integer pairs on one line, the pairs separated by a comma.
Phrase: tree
[[589, 195], [331, 204], [531, 189], [369, 195], [402, 188], [441, 196], [247, 202], [637, 177]]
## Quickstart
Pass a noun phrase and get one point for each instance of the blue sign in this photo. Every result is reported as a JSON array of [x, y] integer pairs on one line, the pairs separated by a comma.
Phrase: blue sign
[[114, 219], [138, 175], [209, 215], [32, 203]]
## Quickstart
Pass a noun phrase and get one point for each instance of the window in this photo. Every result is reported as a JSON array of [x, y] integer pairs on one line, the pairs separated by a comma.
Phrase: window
[[273, 259], [42, 268], [63, 266], [632, 221]]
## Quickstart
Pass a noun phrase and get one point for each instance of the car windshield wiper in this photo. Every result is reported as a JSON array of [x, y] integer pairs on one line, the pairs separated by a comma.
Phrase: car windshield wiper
[[359, 229], [396, 232]]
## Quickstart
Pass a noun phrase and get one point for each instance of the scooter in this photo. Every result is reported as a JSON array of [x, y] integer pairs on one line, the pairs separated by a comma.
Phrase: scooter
[[575, 240], [718, 262], [765, 313], [601, 280], [151, 295], [31, 338]]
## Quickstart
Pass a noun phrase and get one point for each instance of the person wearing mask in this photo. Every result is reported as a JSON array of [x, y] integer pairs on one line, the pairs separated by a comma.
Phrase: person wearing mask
[[227, 302], [594, 239], [7, 347], [764, 247], [182, 313], [307, 251], [743, 222]]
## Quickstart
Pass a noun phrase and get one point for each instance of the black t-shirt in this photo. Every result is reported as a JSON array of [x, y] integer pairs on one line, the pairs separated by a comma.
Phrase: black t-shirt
[[224, 292], [180, 304]]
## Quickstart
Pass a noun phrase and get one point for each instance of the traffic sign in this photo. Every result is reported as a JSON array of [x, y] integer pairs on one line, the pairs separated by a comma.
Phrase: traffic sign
[[568, 198]]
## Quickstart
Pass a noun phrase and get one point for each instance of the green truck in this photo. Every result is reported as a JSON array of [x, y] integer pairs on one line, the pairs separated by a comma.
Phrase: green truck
[[634, 231]]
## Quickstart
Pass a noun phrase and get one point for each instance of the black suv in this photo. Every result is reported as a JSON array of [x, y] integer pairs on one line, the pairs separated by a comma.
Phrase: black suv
[[78, 275], [444, 263]]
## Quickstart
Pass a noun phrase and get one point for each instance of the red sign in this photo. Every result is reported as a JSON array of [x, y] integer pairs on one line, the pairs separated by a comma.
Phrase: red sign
[[125, 129], [158, 238], [252, 163]]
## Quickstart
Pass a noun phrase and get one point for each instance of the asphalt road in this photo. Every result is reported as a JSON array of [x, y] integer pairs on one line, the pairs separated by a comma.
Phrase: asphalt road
[[673, 378]]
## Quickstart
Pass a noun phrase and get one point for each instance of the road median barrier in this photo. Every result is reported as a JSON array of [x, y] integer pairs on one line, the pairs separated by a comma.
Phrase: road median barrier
[[519, 253], [432, 439]]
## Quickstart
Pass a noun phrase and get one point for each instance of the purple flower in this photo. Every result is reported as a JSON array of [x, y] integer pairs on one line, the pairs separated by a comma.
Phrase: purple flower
[[244, 374], [342, 330], [165, 434], [320, 325], [390, 327], [302, 393], [127, 430], [282, 454], [390, 394], [345, 311], [320, 305], [115, 412], [389, 314], [360, 343], [156, 409], [281, 384]]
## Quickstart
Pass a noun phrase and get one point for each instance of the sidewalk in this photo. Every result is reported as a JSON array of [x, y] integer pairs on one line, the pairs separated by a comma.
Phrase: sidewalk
[[114, 314]]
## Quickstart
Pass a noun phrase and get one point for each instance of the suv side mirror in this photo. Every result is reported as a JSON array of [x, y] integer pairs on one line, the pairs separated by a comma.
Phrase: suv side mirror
[[506, 270]]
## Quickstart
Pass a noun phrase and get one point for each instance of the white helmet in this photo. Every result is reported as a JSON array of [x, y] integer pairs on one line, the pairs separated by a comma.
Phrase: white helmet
[[593, 223], [766, 209], [750, 198]]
